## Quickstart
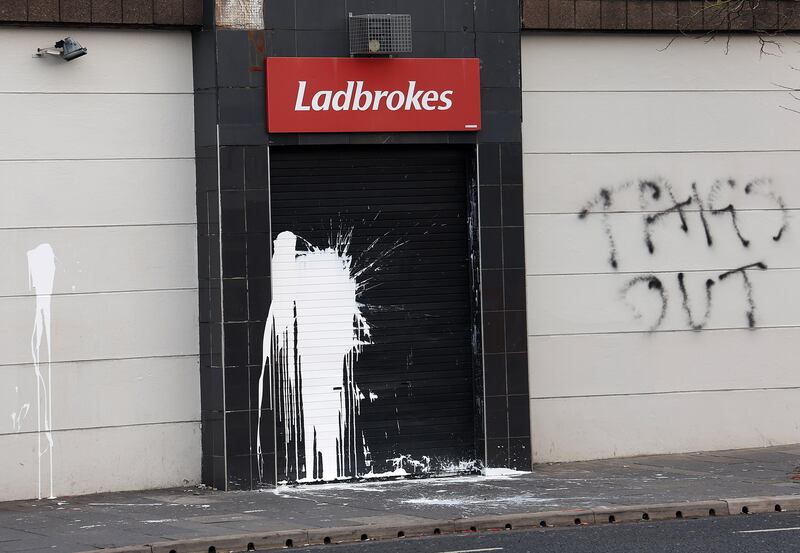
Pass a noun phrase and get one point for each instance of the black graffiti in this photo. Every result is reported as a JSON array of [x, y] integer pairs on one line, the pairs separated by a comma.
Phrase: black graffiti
[[748, 288], [603, 198], [729, 209], [702, 210], [650, 190], [656, 191], [687, 308], [651, 219], [732, 211], [656, 284], [658, 204], [756, 187], [653, 283]]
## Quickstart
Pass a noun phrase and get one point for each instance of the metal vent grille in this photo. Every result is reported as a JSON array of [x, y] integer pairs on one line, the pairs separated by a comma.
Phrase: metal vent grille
[[379, 34], [240, 14]]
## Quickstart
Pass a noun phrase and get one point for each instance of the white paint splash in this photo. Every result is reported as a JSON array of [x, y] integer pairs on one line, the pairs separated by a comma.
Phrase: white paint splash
[[407, 465], [41, 274], [314, 333], [406, 462]]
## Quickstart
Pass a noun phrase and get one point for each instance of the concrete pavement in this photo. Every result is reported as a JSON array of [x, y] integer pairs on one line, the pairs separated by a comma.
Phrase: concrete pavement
[[193, 519]]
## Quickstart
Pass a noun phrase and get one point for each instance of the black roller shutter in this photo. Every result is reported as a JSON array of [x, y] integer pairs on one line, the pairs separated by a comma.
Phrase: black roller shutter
[[408, 211]]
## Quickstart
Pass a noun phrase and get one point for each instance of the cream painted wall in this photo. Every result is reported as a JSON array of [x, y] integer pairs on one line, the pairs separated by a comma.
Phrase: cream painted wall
[[616, 365], [97, 160]]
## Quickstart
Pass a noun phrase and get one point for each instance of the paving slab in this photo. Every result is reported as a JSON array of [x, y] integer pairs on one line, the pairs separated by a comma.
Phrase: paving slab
[[552, 494]]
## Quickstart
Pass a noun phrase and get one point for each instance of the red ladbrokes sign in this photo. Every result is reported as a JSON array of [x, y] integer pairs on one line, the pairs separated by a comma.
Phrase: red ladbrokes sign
[[373, 95]]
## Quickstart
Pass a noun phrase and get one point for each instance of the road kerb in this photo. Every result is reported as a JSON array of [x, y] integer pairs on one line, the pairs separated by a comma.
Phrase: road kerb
[[497, 522], [236, 542], [351, 534], [519, 521], [660, 511], [131, 549], [523, 521], [561, 519], [755, 505]]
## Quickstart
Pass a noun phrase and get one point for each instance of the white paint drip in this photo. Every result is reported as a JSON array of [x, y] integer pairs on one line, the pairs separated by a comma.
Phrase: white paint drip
[[41, 274], [18, 416], [314, 333], [367, 454]]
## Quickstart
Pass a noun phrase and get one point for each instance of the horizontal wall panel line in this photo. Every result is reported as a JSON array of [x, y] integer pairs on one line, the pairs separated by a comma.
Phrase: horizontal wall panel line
[[600, 212], [92, 93], [80, 429], [662, 91], [672, 392], [645, 152], [756, 328], [105, 359], [693, 152], [83, 159], [101, 225], [653, 272], [99, 160], [103, 292]]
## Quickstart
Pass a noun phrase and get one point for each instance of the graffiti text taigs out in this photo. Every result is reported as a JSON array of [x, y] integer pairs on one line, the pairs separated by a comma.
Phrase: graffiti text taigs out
[[690, 213]]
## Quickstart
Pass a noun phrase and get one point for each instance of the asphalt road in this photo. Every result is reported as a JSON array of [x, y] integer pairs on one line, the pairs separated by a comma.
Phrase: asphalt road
[[778, 532]]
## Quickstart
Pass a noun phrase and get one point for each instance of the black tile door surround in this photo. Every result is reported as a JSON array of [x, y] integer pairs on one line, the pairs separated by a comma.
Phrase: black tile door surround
[[233, 212]]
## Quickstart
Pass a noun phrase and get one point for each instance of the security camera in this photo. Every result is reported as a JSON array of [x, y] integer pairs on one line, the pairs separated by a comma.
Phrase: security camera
[[70, 49], [67, 49]]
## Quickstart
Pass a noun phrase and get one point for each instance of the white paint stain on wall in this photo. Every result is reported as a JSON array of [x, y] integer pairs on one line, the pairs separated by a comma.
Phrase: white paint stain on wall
[[17, 417], [41, 275], [314, 333]]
